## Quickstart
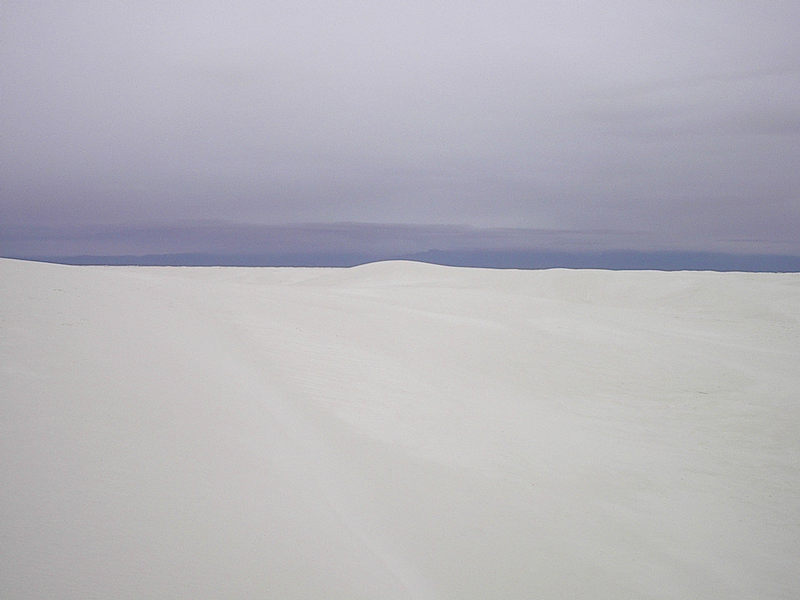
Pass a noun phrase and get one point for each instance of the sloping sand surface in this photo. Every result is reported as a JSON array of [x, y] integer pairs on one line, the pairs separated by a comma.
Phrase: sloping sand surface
[[398, 430]]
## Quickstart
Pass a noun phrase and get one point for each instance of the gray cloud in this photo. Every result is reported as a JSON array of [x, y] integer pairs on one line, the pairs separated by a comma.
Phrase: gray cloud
[[366, 240], [674, 118]]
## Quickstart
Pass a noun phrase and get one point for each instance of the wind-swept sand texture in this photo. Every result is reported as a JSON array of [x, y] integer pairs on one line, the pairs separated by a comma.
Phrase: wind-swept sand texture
[[398, 430]]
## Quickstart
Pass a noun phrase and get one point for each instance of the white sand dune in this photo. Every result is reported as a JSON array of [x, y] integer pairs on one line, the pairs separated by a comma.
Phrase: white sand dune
[[398, 430]]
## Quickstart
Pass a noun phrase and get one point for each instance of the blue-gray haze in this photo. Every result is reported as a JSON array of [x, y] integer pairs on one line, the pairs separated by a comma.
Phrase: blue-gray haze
[[353, 130]]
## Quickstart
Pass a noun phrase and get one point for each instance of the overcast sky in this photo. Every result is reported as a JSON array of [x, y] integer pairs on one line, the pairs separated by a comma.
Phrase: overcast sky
[[673, 124]]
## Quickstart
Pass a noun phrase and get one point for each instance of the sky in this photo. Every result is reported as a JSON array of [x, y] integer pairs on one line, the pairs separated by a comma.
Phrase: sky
[[147, 127]]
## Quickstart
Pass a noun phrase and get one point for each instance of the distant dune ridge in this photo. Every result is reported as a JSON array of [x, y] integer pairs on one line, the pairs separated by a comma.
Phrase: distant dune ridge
[[398, 430]]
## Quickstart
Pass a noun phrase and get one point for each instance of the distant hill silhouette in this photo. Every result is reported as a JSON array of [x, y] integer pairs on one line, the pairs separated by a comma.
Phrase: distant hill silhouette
[[497, 259]]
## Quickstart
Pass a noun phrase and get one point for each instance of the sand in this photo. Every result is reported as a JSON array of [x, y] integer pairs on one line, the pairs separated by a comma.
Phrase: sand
[[398, 430]]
